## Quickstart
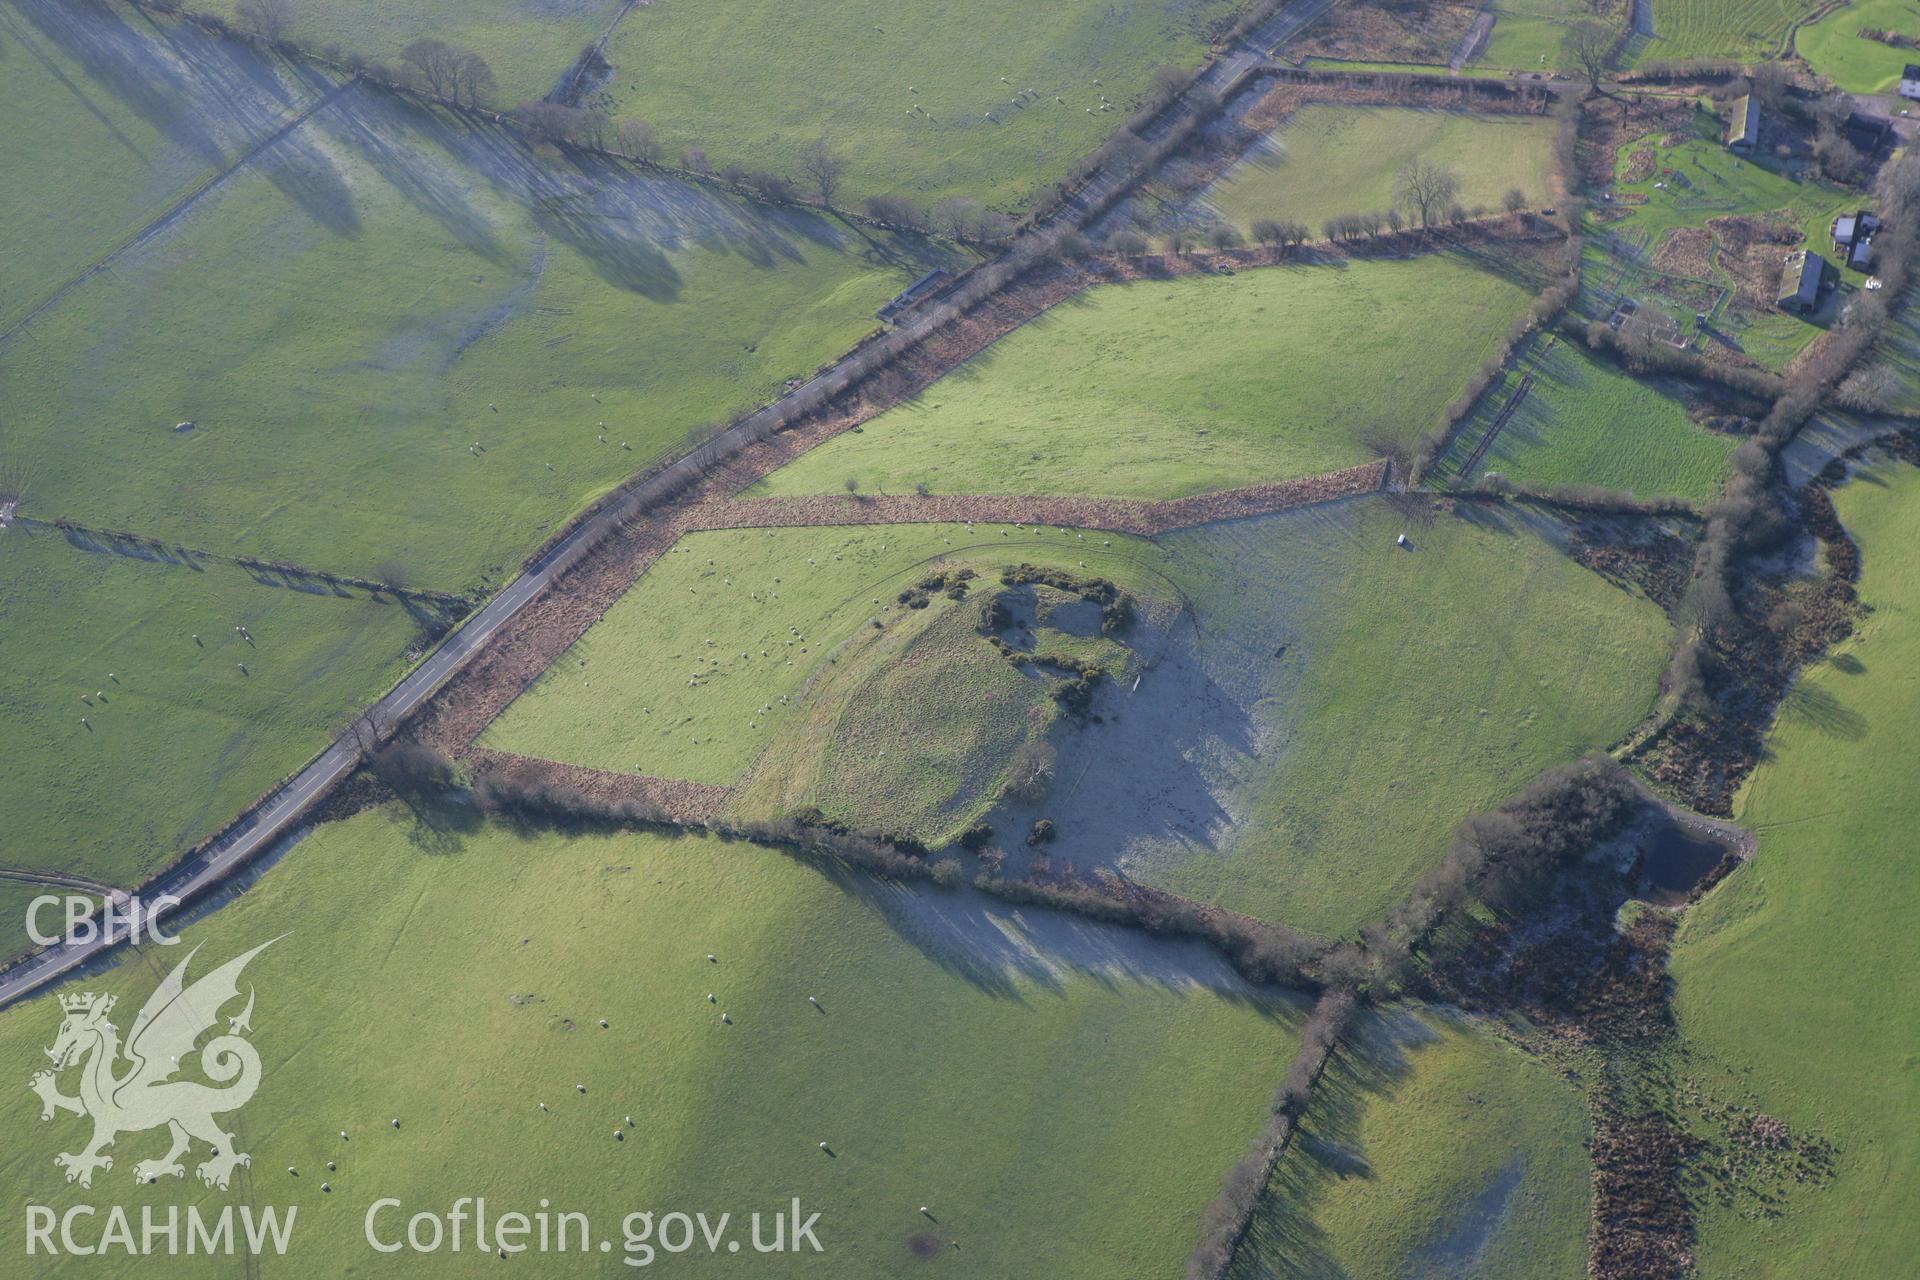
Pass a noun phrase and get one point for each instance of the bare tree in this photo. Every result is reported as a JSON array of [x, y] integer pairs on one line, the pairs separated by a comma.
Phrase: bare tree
[[1770, 82], [1515, 200], [824, 166], [1589, 46], [549, 121], [437, 63], [474, 78], [640, 140], [956, 217], [271, 18], [1425, 190]]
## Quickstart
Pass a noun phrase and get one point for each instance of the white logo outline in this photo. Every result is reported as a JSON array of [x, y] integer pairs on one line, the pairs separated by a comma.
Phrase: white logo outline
[[167, 1029]]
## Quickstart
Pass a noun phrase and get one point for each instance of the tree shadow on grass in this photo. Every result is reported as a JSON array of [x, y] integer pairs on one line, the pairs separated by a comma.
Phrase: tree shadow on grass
[[1015, 952], [209, 98], [1284, 1241], [1815, 706]]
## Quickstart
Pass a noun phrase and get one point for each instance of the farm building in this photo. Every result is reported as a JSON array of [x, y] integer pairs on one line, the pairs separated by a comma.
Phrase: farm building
[[1910, 81], [1743, 126], [1853, 238], [926, 286], [1800, 281]]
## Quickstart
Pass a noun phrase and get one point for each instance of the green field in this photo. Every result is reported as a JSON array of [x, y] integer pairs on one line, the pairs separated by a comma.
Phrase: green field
[[137, 113], [529, 44], [183, 738], [1165, 388], [752, 82], [1430, 1149], [1716, 184], [1336, 766], [1529, 35], [346, 318], [1739, 29], [1328, 160], [1585, 421], [1834, 47], [1044, 1086], [659, 685], [1389, 693], [1900, 350], [1796, 980], [15, 897]]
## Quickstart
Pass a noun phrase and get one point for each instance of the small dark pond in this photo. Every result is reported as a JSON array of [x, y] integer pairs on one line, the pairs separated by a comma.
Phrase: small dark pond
[[1676, 860]]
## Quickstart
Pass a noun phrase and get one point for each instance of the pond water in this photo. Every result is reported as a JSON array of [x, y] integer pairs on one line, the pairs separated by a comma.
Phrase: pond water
[[1676, 860]]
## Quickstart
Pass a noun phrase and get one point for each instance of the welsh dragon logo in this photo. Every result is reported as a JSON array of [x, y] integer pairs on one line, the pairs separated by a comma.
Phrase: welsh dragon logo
[[141, 1093]]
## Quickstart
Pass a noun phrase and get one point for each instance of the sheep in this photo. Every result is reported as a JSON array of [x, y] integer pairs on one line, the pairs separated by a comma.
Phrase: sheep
[[603, 1024], [580, 1088], [396, 1122], [327, 1187], [331, 1166]]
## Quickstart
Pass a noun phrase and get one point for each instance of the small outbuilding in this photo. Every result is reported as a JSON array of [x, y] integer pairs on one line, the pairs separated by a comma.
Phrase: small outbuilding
[[1743, 126], [1853, 238], [1801, 281], [925, 287], [1910, 81]]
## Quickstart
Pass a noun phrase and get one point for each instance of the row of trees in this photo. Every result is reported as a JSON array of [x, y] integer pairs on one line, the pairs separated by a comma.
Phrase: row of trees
[[461, 76]]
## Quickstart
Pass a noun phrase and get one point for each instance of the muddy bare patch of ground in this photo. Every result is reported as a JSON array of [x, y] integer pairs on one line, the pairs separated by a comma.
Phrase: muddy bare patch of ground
[[680, 801], [1609, 123], [1638, 555], [1785, 619], [1686, 251], [1387, 31], [1753, 250], [1640, 165]]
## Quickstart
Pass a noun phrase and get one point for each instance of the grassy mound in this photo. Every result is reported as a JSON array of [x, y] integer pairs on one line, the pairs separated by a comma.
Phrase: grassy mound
[[1330, 160], [183, 735], [1827, 899], [734, 634], [969, 1058], [1159, 389]]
